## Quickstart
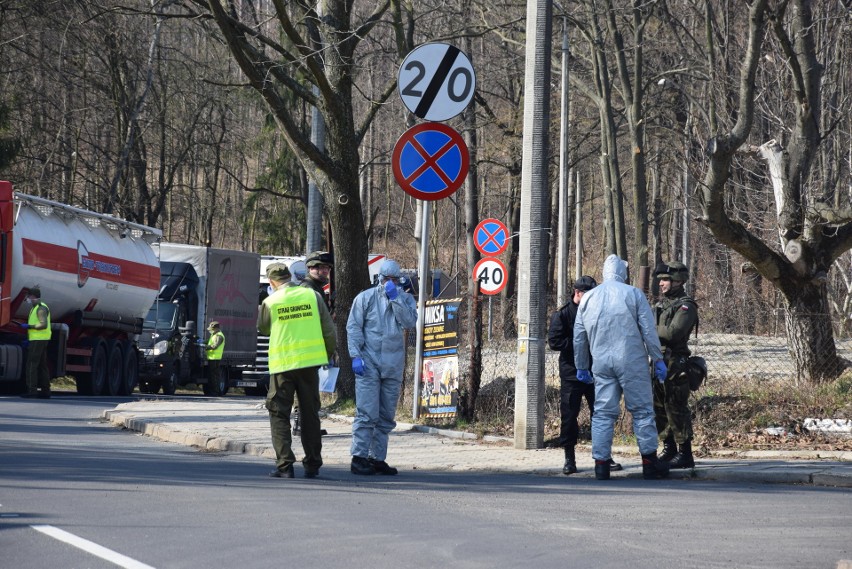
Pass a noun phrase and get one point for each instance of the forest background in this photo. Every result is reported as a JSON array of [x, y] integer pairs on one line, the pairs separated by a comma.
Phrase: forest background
[[715, 132]]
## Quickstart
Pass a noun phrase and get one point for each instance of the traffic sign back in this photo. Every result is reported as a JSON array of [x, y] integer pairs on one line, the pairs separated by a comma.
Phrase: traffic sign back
[[436, 81], [430, 161]]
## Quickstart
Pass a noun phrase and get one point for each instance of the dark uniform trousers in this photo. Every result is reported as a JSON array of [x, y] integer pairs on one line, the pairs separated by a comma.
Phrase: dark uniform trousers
[[571, 394], [303, 383], [671, 404], [38, 374]]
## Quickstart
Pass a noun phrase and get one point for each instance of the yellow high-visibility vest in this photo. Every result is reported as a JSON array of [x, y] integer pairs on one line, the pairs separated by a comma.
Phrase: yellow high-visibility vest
[[295, 339], [32, 333], [216, 354]]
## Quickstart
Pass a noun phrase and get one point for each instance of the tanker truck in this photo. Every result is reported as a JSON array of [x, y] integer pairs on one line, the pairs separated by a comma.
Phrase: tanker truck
[[97, 274], [199, 285]]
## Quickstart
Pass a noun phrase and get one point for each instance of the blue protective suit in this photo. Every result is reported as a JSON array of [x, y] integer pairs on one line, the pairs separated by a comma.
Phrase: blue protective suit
[[375, 334], [615, 333]]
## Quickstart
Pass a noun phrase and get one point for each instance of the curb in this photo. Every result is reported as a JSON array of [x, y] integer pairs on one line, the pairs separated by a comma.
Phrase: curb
[[723, 466]]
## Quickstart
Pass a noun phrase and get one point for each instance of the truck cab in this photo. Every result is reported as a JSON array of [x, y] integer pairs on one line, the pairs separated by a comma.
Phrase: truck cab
[[168, 342]]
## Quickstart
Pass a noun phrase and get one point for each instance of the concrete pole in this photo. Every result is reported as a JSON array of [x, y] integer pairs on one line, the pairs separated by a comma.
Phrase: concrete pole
[[313, 238], [315, 203], [534, 230], [562, 285]]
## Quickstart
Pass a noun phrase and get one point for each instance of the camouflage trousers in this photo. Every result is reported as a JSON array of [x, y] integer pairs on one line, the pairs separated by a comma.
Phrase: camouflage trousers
[[671, 408]]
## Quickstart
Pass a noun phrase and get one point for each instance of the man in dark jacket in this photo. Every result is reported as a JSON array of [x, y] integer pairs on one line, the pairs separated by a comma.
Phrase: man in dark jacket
[[560, 338]]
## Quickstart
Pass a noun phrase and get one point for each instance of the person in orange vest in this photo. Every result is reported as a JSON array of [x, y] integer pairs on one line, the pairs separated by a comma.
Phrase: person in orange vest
[[301, 339], [38, 335]]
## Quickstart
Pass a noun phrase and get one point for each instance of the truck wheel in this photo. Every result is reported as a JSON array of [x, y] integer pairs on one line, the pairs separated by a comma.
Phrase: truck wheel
[[170, 385], [114, 369], [130, 369], [94, 381], [220, 386]]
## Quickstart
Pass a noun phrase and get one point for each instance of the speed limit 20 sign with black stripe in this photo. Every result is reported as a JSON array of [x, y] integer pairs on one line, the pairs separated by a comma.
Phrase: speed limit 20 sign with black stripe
[[436, 81]]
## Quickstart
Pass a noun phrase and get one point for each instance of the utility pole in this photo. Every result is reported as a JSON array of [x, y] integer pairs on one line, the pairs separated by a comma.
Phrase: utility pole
[[313, 239], [563, 288], [534, 230]]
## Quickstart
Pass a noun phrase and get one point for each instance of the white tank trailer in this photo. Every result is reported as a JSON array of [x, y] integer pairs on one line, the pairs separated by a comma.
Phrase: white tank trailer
[[97, 274]]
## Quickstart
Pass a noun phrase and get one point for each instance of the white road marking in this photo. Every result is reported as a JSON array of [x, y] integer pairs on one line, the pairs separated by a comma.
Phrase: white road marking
[[91, 547]]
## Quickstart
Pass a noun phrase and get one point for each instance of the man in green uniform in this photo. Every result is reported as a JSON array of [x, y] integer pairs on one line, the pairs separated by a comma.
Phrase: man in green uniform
[[319, 264], [215, 347], [301, 339], [677, 315], [38, 335]]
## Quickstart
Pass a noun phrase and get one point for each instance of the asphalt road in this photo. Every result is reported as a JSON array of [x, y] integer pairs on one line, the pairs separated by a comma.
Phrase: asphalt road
[[78, 493]]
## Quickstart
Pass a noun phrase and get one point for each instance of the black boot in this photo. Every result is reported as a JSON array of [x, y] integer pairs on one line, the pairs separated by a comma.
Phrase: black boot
[[570, 466], [602, 469], [669, 448], [653, 467], [683, 459]]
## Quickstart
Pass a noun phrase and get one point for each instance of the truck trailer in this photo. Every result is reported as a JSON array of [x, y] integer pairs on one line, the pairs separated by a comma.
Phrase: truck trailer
[[199, 285], [97, 274]]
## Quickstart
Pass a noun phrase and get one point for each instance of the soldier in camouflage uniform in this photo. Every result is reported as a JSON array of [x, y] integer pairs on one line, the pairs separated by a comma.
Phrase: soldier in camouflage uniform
[[677, 315]]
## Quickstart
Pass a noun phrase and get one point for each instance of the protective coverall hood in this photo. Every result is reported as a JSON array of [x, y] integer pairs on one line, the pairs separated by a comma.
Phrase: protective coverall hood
[[615, 269]]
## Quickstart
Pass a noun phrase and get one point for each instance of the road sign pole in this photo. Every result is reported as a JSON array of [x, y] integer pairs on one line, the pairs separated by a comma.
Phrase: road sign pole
[[421, 307]]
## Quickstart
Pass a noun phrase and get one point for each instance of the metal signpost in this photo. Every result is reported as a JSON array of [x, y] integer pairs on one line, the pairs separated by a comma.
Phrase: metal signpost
[[431, 161]]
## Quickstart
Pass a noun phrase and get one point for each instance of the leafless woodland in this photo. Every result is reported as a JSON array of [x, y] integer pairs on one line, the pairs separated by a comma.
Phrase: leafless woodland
[[716, 132]]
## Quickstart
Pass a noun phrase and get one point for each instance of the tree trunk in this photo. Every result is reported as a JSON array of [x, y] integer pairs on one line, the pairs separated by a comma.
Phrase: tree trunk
[[810, 337]]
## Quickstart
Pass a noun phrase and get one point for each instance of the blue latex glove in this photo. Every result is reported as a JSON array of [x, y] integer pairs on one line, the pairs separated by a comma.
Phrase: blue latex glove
[[23, 325], [660, 371], [390, 290], [358, 366], [585, 376]]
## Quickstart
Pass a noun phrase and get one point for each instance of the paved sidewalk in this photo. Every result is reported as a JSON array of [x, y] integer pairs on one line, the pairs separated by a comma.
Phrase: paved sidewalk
[[242, 426]]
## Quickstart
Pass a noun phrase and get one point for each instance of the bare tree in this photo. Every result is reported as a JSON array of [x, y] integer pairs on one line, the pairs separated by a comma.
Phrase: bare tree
[[812, 232]]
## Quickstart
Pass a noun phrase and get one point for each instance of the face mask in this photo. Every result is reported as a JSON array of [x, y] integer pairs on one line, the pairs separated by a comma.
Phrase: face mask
[[29, 302]]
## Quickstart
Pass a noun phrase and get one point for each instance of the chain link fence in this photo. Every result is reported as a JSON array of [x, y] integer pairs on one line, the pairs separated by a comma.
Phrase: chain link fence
[[744, 350]]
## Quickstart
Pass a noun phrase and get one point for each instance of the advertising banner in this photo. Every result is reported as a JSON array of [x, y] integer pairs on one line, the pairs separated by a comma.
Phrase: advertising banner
[[439, 383]]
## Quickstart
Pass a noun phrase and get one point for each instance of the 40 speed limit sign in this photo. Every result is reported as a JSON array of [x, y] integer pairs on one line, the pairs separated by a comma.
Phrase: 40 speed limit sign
[[491, 274]]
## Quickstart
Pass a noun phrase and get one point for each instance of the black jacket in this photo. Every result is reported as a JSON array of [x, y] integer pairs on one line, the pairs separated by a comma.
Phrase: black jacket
[[560, 337]]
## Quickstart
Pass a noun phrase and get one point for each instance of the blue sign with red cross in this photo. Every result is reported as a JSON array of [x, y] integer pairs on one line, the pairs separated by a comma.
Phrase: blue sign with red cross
[[430, 161], [491, 237]]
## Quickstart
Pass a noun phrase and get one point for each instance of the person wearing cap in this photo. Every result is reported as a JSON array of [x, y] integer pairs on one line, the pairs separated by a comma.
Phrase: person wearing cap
[[677, 316], [301, 339], [319, 264], [214, 348], [376, 345], [614, 335], [38, 337], [560, 337]]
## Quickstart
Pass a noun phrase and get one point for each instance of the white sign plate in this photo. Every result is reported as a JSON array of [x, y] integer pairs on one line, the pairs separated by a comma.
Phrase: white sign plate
[[491, 274], [436, 81]]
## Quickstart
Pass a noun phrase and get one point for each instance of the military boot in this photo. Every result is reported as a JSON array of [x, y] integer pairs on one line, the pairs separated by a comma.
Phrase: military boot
[[683, 459], [653, 467], [669, 448], [602, 469], [570, 466]]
